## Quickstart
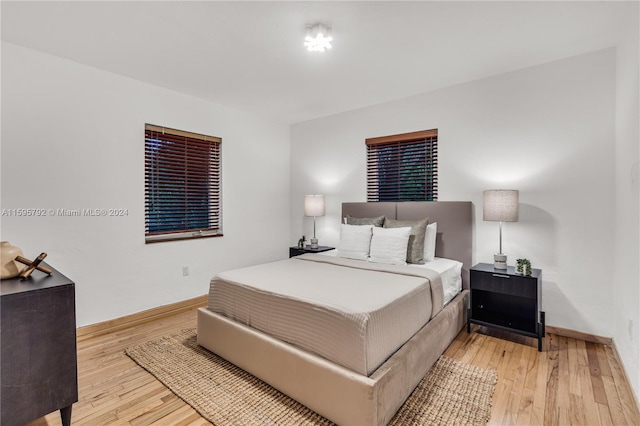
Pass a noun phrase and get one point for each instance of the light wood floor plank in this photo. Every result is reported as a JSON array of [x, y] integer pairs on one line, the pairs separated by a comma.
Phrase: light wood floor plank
[[169, 404], [613, 401], [604, 415], [571, 382], [576, 411], [596, 374], [574, 377], [498, 354], [541, 381], [627, 401], [581, 348], [484, 360], [520, 363], [588, 400], [605, 370], [564, 416], [537, 416], [564, 367], [551, 413], [532, 372], [500, 402], [199, 422], [525, 410]]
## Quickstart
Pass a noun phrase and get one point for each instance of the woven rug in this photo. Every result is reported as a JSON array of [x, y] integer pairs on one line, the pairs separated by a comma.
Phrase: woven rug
[[452, 392]]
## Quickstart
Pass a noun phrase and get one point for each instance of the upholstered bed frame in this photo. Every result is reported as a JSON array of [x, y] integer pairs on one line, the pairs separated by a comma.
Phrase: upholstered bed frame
[[337, 393]]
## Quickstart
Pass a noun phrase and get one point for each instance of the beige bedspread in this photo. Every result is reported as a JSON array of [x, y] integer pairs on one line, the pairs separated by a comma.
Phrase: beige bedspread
[[354, 313]]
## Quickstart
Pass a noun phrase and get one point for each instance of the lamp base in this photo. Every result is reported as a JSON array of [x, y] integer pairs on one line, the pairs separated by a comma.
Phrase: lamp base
[[500, 261], [314, 243]]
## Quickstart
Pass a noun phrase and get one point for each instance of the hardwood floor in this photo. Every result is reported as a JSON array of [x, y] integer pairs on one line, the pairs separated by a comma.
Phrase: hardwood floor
[[572, 382]]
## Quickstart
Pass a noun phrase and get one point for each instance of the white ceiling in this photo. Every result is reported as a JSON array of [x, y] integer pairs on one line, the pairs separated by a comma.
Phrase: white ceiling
[[250, 56]]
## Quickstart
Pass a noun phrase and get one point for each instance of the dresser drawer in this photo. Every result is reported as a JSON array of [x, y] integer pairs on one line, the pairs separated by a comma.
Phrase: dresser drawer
[[497, 282]]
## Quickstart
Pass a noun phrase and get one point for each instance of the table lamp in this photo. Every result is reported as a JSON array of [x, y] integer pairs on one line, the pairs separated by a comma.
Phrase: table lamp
[[500, 205], [314, 206]]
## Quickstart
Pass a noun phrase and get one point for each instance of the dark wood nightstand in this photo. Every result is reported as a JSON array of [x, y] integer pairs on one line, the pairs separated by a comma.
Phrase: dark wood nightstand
[[38, 351], [296, 251], [501, 298]]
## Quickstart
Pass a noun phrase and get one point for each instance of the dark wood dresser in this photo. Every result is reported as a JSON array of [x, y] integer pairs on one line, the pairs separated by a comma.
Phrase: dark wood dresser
[[38, 362]]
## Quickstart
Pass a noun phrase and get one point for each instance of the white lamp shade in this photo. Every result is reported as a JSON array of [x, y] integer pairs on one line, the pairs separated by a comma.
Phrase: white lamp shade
[[314, 205], [500, 205]]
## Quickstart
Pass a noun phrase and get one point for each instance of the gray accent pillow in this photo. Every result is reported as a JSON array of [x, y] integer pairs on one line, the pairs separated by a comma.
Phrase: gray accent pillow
[[415, 250], [375, 221]]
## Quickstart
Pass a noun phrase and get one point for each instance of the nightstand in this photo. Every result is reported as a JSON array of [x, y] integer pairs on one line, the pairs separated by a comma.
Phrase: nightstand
[[506, 300], [296, 251]]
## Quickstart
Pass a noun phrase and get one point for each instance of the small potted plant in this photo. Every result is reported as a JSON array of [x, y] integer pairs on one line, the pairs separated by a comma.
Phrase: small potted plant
[[301, 242], [524, 267]]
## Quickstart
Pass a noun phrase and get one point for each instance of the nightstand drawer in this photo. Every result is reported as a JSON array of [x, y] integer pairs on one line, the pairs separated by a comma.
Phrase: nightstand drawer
[[505, 284]]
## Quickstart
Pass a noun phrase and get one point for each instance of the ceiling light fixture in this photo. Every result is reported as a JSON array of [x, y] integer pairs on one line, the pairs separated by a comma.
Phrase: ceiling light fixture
[[318, 38]]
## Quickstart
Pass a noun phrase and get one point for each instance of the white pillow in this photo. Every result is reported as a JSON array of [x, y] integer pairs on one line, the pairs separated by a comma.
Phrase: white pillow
[[430, 242], [355, 241], [389, 245]]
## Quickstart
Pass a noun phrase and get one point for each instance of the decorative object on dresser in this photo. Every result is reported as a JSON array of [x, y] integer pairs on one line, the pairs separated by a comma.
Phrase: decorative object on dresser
[[297, 251], [39, 266], [8, 254], [500, 205], [524, 267], [503, 299], [314, 206], [32, 265], [301, 242], [38, 361]]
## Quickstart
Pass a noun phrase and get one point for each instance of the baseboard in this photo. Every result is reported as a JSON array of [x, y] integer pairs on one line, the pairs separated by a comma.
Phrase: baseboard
[[578, 335], [116, 324]]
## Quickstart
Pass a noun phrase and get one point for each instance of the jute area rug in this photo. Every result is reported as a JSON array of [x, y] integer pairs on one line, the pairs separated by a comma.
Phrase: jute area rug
[[451, 393]]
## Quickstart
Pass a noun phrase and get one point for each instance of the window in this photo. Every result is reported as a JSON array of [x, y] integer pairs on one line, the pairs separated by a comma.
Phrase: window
[[182, 185], [403, 167]]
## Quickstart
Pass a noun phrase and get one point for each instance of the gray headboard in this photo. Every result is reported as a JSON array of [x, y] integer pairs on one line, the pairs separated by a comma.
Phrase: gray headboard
[[455, 224]]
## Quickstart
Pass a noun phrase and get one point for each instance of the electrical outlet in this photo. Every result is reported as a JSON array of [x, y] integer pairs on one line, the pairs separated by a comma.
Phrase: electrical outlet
[[185, 271], [630, 329]]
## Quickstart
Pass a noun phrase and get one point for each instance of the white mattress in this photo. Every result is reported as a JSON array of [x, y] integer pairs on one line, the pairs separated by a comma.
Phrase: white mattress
[[344, 310], [450, 271]]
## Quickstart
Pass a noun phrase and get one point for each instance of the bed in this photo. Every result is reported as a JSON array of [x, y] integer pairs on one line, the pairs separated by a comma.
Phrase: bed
[[357, 381]]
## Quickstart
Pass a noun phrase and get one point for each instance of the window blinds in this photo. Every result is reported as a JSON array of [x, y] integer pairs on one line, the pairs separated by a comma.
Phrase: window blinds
[[403, 167], [182, 185]]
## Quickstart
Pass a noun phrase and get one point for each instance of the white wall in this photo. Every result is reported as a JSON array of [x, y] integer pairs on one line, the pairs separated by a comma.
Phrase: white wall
[[73, 138], [547, 130], [626, 255]]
